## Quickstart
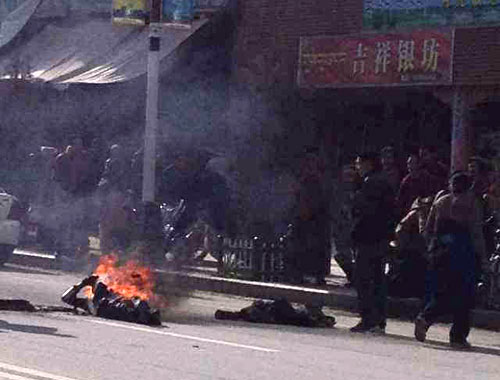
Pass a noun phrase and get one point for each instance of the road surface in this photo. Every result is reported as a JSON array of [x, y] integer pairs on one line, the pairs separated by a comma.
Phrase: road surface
[[193, 345]]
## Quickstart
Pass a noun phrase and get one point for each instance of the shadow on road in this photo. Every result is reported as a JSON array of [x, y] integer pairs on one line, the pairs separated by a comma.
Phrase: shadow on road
[[475, 349], [443, 346], [31, 329]]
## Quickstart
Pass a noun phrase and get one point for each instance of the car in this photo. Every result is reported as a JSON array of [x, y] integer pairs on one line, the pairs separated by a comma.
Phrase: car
[[10, 225]]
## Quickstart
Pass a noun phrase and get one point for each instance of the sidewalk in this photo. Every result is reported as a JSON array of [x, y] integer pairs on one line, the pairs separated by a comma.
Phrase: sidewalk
[[334, 294]]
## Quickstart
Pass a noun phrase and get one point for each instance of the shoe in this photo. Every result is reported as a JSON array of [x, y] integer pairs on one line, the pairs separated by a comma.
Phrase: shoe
[[379, 330], [362, 327], [421, 327], [461, 345]]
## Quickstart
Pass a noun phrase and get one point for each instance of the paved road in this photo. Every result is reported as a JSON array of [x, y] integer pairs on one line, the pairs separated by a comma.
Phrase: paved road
[[192, 345]]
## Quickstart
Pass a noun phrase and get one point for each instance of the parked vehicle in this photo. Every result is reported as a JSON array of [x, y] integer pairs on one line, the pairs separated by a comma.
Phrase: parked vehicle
[[11, 213]]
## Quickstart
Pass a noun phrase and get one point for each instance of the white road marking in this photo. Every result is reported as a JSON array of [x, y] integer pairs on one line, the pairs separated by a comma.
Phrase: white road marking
[[26, 371], [181, 336], [9, 376]]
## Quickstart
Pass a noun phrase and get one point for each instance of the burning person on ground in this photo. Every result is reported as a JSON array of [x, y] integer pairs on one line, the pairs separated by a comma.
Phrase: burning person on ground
[[113, 292]]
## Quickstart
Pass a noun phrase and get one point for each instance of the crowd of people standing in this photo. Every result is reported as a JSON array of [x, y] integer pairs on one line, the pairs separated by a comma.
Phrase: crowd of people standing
[[97, 190], [430, 219], [84, 191], [418, 231]]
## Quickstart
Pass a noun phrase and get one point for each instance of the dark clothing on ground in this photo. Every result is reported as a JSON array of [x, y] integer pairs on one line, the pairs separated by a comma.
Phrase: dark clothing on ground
[[107, 304], [279, 312]]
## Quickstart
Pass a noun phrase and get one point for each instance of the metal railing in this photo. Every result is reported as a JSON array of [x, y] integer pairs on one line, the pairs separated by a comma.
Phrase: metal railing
[[252, 258]]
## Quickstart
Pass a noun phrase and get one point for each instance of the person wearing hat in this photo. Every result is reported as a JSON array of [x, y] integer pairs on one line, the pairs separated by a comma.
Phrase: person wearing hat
[[455, 228]]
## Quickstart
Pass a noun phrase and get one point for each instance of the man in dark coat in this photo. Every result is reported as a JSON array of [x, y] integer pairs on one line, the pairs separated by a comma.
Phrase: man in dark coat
[[373, 213]]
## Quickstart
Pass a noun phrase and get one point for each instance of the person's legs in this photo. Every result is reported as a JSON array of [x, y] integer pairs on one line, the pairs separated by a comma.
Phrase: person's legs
[[379, 286], [437, 303], [462, 302], [461, 325], [365, 287], [294, 273], [344, 259]]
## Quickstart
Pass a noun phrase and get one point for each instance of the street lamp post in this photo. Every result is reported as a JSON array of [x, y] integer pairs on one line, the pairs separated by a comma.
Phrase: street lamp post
[[151, 218], [153, 74]]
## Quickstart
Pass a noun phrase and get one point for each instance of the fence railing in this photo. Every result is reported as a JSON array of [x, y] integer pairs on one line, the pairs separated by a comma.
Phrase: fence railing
[[252, 258]]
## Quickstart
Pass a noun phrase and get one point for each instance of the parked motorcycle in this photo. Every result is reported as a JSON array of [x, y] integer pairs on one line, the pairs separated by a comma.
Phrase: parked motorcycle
[[186, 236]]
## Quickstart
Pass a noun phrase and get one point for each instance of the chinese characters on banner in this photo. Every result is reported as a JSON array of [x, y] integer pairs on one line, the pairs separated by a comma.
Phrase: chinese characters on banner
[[392, 14], [417, 57], [130, 12]]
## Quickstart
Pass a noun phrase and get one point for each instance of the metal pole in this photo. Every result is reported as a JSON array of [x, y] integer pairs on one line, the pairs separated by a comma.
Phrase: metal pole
[[459, 134], [148, 182]]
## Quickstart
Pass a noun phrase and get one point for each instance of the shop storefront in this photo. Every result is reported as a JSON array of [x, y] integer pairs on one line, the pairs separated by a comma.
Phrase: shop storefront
[[416, 65]]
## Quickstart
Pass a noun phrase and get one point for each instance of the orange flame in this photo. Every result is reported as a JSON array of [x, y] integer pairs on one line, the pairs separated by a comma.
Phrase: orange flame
[[130, 280]]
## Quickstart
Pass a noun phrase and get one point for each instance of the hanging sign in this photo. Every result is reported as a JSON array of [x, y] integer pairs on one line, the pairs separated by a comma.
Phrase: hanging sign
[[418, 57], [178, 11], [391, 14], [133, 12]]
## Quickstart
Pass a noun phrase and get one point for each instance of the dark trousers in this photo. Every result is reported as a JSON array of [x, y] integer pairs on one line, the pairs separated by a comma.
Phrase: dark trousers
[[454, 300], [309, 254], [371, 283]]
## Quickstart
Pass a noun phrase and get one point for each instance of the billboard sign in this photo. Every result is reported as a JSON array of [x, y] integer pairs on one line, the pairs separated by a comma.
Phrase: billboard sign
[[419, 57], [178, 11], [391, 14], [130, 12]]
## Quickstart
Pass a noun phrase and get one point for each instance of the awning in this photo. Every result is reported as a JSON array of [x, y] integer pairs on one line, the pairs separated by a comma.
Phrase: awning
[[16, 20], [92, 51], [81, 48]]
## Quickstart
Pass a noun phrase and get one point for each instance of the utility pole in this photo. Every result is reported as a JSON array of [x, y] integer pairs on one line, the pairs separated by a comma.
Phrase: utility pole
[[153, 76]]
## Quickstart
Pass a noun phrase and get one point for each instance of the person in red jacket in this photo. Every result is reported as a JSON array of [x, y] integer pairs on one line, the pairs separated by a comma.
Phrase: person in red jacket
[[416, 184]]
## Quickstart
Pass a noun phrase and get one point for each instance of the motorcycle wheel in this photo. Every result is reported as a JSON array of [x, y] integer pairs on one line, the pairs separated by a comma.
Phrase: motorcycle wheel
[[6, 251]]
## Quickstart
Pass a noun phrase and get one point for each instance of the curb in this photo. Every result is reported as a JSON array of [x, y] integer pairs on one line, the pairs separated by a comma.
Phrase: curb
[[336, 297]]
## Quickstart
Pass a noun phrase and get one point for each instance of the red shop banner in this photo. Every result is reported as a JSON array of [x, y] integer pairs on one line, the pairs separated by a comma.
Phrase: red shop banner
[[420, 57]]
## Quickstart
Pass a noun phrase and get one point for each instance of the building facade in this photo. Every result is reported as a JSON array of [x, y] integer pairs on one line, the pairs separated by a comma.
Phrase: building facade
[[405, 72]]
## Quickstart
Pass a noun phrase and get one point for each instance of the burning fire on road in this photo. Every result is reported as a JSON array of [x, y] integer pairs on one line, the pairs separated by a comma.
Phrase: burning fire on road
[[116, 291]]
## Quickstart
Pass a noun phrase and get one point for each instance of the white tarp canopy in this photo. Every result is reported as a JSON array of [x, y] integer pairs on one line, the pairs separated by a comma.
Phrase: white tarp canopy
[[85, 49], [13, 22]]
